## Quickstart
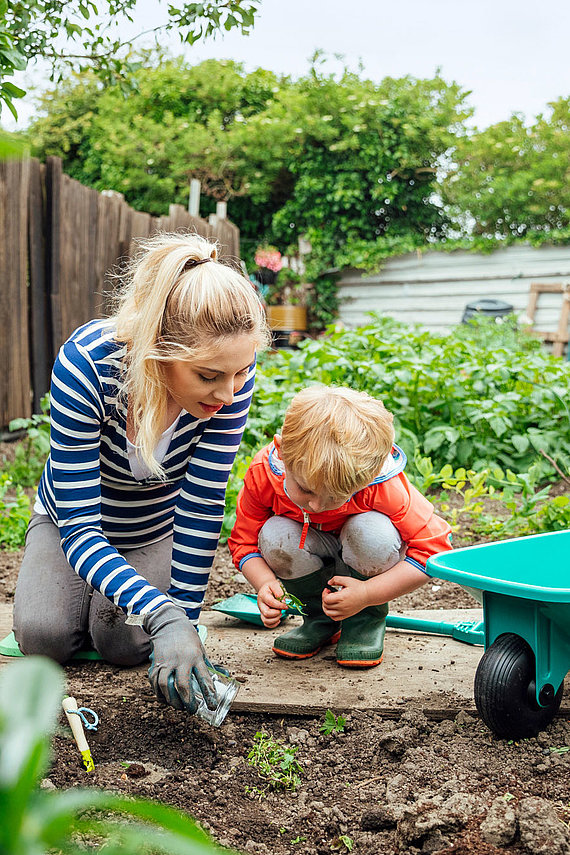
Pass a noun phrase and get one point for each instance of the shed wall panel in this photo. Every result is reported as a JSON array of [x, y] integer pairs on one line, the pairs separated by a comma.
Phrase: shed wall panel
[[433, 288]]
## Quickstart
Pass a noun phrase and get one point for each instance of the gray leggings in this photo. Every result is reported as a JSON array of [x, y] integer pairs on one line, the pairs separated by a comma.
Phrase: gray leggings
[[56, 613], [368, 542]]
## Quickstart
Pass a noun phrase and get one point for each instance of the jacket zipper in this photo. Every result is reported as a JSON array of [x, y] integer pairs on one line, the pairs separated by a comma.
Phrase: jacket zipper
[[306, 524]]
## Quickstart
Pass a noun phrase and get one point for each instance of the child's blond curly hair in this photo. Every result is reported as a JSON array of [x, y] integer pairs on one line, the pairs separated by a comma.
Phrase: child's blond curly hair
[[336, 439]]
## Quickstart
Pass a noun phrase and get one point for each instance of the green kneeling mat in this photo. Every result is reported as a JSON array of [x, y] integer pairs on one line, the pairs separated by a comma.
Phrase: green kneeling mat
[[9, 647]]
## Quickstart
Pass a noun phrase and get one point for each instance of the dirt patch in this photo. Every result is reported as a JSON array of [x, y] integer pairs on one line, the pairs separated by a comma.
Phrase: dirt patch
[[401, 785]]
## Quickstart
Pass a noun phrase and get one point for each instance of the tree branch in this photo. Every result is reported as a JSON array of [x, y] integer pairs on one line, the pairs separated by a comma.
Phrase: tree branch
[[556, 466]]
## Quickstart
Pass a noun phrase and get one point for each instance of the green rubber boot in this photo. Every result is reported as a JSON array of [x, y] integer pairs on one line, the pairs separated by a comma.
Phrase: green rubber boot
[[317, 629], [361, 642]]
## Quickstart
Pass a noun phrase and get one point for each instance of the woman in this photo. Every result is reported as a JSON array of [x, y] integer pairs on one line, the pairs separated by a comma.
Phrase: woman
[[147, 412]]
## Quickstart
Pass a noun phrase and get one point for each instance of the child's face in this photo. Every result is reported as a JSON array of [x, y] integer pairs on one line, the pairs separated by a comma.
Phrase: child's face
[[312, 501]]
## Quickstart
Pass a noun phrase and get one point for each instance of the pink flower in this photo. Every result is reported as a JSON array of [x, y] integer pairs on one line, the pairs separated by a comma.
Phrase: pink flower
[[269, 258]]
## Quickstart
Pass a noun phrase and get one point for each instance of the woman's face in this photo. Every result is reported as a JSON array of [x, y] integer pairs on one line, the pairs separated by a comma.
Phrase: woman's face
[[204, 386]]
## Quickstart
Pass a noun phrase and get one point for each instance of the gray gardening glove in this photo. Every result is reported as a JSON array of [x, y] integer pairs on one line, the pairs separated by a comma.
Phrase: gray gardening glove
[[177, 656]]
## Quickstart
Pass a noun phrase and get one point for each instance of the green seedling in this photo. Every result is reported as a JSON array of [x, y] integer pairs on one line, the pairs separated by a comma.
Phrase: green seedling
[[291, 601], [342, 843], [332, 723], [561, 750], [299, 839], [275, 763]]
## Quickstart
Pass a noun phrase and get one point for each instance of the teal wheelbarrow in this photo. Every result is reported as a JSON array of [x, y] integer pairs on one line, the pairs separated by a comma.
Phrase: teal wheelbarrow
[[526, 608]]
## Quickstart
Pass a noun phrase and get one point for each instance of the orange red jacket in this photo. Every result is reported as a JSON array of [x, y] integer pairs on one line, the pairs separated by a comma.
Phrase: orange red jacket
[[263, 495]]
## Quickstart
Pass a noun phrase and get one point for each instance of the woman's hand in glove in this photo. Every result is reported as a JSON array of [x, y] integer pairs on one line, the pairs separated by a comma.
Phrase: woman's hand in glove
[[177, 656]]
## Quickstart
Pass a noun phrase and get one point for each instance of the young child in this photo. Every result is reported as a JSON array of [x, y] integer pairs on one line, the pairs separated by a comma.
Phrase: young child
[[327, 514]]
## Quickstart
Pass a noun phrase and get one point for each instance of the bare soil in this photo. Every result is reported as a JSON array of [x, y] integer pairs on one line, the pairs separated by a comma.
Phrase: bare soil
[[402, 785]]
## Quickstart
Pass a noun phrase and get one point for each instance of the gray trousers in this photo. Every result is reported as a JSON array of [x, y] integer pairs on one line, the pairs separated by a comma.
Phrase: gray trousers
[[369, 543], [56, 613]]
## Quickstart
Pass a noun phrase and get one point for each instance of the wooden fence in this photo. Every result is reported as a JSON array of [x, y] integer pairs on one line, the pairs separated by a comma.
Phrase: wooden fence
[[59, 241]]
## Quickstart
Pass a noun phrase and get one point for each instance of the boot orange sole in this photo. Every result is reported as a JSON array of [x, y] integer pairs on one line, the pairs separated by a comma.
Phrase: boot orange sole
[[285, 655], [356, 663]]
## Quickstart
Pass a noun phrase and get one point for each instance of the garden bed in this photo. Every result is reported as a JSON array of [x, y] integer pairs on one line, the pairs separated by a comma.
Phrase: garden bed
[[404, 784]]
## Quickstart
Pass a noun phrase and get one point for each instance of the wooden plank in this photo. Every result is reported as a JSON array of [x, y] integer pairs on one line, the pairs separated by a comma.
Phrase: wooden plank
[[15, 392], [77, 246], [108, 227], [435, 670], [53, 176], [40, 315], [72, 217], [546, 287]]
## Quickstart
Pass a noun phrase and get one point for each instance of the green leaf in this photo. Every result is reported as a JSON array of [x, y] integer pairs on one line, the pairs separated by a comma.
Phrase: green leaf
[[12, 90], [520, 442]]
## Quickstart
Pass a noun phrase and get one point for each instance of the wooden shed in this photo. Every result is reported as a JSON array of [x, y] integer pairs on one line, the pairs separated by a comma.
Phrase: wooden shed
[[433, 288]]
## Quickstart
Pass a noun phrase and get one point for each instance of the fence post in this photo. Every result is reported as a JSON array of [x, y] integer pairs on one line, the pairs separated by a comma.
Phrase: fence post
[[194, 198]]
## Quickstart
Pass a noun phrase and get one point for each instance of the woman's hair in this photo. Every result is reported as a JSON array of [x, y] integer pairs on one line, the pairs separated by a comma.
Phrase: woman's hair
[[173, 306], [336, 439]]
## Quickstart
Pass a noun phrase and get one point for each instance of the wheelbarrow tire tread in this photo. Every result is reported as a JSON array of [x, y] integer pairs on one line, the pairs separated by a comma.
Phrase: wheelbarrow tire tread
[[503, 692]]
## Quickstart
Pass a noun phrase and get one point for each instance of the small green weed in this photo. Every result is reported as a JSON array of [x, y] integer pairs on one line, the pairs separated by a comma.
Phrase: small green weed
[[342, 843], [291, 601], [332, 723], [275, 763]]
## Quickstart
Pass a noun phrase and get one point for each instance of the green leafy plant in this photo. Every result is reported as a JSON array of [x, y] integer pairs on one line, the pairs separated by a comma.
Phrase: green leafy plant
[[36, 821], [14, 513], [31, 454], [332, 723], [289, 288], [503, 407], [275, 763], [235, 483]]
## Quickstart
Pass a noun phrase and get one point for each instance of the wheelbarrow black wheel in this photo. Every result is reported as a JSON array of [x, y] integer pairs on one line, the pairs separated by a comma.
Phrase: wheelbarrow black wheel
[[505, 693]]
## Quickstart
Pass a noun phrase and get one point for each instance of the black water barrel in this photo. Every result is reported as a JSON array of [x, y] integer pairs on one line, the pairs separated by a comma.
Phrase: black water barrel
[[486, 306]]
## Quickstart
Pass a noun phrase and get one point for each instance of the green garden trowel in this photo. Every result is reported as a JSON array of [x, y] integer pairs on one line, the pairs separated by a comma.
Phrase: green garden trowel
[[244, 607]]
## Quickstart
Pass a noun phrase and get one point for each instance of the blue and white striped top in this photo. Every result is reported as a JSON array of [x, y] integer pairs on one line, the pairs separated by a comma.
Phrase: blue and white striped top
[[90, 492]]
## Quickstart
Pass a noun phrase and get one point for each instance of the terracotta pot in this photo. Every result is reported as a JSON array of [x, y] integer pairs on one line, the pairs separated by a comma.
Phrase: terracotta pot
[[287, 317]]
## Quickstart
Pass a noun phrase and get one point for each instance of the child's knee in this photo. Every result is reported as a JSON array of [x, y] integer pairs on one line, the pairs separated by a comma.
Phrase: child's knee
[[370, 543], [279, 541]]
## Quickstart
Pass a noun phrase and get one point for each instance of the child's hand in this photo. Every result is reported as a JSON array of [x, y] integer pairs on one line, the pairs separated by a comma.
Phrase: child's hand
[[350, 599], [270, 606]]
